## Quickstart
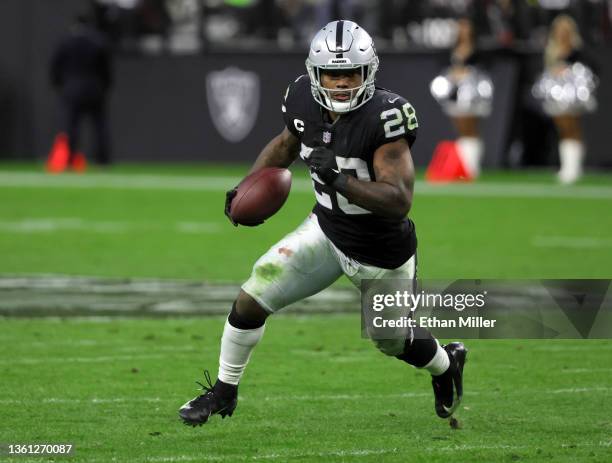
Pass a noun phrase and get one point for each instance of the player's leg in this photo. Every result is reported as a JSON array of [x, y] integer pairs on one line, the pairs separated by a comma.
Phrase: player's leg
[[300, 265], [571, 148], [444, 363], [242, 331], [237, 343], [420, 349], [99, 117], [469, 143], [73, 117]]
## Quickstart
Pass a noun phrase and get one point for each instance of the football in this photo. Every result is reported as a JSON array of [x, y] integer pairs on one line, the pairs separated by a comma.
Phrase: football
[[260, 195]]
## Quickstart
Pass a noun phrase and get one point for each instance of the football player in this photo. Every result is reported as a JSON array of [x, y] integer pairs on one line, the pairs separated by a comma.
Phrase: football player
[[355, 138]]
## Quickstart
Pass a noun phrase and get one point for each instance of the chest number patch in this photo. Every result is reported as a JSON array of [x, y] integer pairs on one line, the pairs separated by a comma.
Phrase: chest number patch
[[398, 121], [328, 197]]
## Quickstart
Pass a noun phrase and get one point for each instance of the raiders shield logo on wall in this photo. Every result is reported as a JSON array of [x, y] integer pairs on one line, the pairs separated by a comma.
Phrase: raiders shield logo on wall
[[233, 102]]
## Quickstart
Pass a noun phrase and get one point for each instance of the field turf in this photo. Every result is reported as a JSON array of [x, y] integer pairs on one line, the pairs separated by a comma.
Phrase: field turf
[[314, 390], [167, 222]]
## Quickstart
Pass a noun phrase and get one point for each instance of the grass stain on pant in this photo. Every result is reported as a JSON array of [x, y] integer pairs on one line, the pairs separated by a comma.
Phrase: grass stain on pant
[[268, 272]]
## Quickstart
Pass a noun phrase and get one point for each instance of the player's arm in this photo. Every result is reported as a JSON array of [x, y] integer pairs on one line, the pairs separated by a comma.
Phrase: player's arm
[[281, 151], [390, 195]]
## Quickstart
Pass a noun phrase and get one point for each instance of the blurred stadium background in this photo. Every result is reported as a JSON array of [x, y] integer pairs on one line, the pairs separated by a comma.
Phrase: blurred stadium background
[[168, 51], [105, 275]]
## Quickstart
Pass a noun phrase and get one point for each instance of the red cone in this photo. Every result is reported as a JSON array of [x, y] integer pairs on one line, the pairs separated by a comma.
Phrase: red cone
[[79, 162], [446, 164], [59, 154]]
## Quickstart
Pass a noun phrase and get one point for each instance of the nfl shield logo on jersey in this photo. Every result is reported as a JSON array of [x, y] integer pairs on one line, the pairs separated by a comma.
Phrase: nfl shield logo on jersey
[[326, 137], [233, 102]]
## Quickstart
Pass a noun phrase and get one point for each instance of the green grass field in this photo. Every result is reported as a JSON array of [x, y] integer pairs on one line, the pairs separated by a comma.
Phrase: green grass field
[[314, 390], [167, 222]]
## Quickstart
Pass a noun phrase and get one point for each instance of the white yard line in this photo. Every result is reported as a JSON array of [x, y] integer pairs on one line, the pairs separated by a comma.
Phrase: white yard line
[[579, 390], [99, 359], [304, 398], [334, 397], [94, 400], [514, 190], [584, 347], [276, 456], [108, 346], [300, 185], [575, 242], [585, 370], [198, 227], [47, 225], [31, 225]]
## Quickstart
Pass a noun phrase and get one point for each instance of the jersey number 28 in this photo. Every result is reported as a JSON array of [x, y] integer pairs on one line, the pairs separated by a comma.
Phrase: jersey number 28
[[395, 125]]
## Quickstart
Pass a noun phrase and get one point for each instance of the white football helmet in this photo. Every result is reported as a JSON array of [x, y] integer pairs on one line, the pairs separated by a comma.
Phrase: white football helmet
[[342, 45]]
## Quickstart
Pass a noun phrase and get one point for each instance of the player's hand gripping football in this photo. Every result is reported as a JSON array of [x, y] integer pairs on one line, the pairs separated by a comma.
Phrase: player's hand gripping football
[[322, 161], [229, 196]]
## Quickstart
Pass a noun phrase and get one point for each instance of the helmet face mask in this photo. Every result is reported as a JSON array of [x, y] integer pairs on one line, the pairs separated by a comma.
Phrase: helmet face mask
[[342, 46]]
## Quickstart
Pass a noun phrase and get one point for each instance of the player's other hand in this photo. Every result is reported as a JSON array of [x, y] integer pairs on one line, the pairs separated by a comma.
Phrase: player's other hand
[[229, 196], [322, 161]]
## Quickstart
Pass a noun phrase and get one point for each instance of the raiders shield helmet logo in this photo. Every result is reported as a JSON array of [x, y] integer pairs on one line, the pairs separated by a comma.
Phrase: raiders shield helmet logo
[[233, 102]]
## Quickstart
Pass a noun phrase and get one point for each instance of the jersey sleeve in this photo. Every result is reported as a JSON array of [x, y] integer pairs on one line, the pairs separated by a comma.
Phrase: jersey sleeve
[[291, 105], [396, 119]]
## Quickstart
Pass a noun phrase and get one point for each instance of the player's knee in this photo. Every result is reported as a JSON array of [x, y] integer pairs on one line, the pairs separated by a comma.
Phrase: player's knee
[[391, 347], [247, 313]]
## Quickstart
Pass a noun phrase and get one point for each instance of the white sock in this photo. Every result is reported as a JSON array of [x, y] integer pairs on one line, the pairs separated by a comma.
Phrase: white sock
[[470, 151], [236, 348], [439, 363], [571, 155]]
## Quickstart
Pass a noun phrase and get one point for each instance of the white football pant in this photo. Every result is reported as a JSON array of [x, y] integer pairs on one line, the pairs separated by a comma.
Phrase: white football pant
[[305, 262]]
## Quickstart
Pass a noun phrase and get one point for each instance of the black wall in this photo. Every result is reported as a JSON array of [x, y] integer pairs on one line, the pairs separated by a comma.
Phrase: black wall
[[159, 110]]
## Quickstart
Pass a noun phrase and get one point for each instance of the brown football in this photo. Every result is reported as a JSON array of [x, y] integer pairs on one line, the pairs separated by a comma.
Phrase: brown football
[[260, 195]]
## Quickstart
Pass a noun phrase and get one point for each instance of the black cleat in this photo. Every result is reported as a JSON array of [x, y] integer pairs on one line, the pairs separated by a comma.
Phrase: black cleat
[[218, 399], [448, 387]]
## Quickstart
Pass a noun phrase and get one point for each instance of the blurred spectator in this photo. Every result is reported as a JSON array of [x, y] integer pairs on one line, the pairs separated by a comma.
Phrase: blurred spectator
[[331, 10], [186, 26], [297, 22], [154, 17], [81, 73], [359, 11], [464, 55], [465, 93], [393, 18], [504, 21], [118, 20], [563, 49]]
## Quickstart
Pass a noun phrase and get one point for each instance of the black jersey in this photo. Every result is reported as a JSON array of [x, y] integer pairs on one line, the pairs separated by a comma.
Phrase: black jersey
[[354, 137]]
